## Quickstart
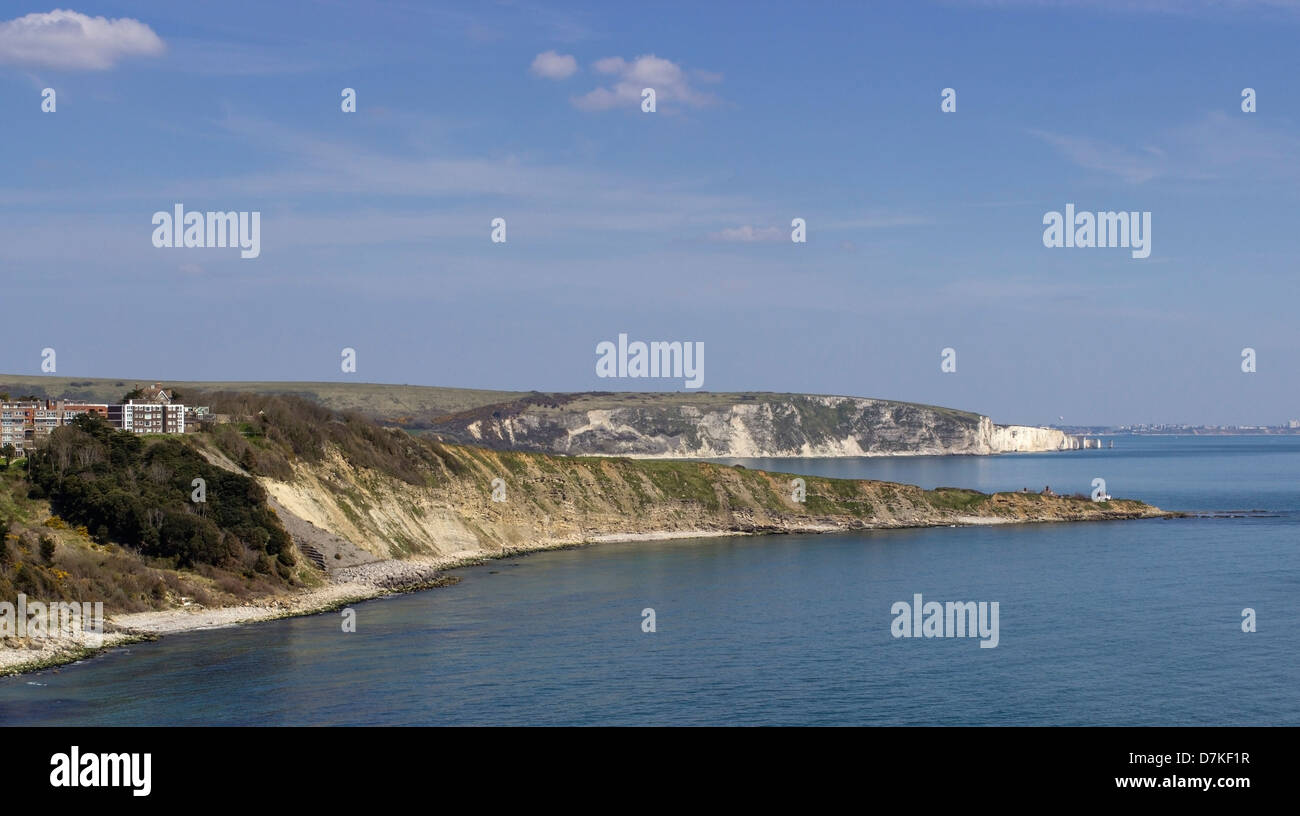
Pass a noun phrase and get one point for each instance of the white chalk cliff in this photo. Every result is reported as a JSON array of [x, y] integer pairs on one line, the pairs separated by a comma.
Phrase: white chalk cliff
[[740, 425]]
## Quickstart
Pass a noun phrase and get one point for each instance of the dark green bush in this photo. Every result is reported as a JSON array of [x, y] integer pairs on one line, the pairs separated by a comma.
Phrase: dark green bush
[[139, 495]]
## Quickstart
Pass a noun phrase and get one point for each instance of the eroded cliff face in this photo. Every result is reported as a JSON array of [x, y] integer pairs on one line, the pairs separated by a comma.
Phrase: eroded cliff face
[[553, 501], [742, 427], [1025, 438]]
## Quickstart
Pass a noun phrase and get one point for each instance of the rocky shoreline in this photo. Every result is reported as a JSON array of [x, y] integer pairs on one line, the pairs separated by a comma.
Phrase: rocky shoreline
[[392, 576]]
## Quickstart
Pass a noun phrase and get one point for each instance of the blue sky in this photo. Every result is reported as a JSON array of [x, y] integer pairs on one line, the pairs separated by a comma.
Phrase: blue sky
[[924, 228]]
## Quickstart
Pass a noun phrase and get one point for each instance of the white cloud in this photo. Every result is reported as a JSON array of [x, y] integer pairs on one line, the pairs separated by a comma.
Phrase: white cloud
[[551, 65], [748, 234], [1217, 146], [1134, 167], [69, 39], [610, 65], [1181, 7], [669, 81], [877, 219]]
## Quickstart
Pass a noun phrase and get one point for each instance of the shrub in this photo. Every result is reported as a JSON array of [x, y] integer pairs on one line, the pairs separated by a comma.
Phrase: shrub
[[138, 495]]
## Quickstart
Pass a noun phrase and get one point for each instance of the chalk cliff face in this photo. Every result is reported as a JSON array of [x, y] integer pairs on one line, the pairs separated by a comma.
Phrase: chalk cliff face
[[1023, 438], [738, 425], [550, 501]]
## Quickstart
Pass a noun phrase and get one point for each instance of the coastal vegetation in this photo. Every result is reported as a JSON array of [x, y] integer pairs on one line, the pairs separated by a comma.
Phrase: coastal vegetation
[[406, 405], [105, 514]]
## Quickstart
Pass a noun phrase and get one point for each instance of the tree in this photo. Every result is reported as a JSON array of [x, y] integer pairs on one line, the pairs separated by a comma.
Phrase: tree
[[8, 452], [138, 495]]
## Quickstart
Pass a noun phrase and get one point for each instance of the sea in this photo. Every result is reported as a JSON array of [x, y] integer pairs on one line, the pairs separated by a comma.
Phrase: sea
[[1184, 621]]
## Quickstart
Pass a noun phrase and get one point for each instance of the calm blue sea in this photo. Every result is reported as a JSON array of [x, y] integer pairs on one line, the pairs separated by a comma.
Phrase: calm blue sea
[[1100, 623]]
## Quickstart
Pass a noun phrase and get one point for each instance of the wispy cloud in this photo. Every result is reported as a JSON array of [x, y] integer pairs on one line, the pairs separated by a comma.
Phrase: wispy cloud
[[217, 58], [671, 83], [874, 220], [1173, 7], [550, 65], [748, 234], [1217, 146], [329, 191], [73, 41], [1133, 166], [877, 220]]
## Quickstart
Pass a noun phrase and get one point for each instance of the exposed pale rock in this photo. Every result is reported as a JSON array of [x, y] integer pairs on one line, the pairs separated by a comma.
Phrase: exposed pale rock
[[744, 427]]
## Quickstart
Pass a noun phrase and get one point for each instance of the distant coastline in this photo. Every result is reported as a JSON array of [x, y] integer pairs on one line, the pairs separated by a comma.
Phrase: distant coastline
[[276, 505], [400, 576]]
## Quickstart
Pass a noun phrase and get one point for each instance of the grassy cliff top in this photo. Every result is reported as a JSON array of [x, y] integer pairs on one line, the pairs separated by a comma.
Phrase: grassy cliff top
[[385, 401], [412, 405]]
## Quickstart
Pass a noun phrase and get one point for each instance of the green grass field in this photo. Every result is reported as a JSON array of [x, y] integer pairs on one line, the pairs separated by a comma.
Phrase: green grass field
[[402, 404], [381, 400]]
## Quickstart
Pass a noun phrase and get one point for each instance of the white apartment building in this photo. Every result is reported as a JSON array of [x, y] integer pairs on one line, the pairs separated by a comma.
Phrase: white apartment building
[[24, 423], [148, 417]]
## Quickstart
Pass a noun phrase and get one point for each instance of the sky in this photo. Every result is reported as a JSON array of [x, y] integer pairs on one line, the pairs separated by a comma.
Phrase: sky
[[924, 228]]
